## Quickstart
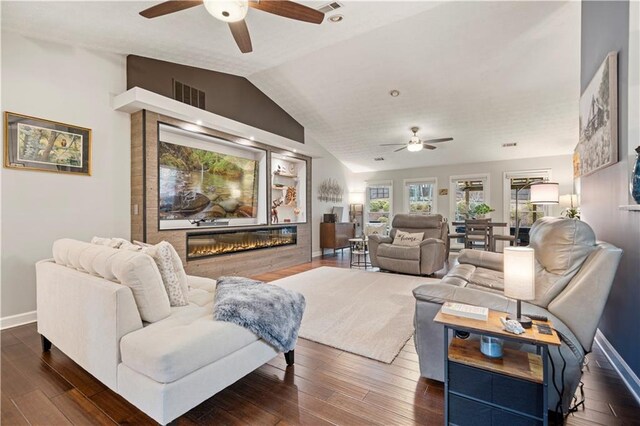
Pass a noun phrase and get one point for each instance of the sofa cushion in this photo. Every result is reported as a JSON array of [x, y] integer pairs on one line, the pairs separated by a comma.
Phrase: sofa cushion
[[399, 252], [184, 342], [136, 270], [174, 282]]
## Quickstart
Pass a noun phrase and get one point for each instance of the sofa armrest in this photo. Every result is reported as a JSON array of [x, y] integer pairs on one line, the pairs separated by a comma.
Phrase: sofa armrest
[[430, 241], [482, 259], [379, 239], [439, 293], [85, 317]]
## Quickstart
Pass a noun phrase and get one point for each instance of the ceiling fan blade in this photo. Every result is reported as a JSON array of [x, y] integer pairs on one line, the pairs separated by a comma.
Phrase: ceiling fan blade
[[168, 7], [425, 146], [392, 144], [240, 34], [398, 150], [438, 140], [289, 9]]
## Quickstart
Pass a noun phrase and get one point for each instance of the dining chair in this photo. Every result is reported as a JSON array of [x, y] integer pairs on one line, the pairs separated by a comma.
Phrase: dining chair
[[478, 233]]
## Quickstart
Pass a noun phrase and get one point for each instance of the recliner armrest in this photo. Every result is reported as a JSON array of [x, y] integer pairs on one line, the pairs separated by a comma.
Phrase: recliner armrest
[[429, 241], [380, 239], [482, 259], [440, 293]]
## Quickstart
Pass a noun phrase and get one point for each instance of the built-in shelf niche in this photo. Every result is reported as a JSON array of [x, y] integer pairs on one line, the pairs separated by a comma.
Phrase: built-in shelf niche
[[288, 178]]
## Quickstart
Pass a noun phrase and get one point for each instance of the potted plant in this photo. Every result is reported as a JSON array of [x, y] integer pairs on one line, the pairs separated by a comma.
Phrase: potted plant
[[480, 211]]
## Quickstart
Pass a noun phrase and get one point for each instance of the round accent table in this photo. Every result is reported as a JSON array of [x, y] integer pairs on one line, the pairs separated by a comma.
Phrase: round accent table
[[359, 253]]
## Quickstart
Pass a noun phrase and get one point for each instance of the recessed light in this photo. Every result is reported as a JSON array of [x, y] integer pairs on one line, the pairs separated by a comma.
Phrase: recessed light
[[251, 137], [295, 150], [199, 122], [336, 18], [394, 93]]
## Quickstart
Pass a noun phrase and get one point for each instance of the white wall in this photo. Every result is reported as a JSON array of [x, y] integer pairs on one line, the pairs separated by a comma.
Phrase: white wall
[[325, 167], [72, 85], [561, 172]]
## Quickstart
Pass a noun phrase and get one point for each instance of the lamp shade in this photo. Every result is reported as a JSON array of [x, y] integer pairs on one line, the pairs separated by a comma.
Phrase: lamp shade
[[356, 198], [569, 200], [519, 273], [545, 193]]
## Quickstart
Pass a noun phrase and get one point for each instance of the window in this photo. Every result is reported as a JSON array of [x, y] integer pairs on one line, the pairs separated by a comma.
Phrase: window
[[528, 213], [379, 201], [466, 193], [420, 195]]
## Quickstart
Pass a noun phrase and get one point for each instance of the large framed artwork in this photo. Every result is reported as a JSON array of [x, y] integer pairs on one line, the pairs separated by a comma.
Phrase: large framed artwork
[[598, 144], [32, 143]]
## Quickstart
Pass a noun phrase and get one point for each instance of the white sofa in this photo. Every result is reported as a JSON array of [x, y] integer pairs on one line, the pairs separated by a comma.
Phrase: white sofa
[[91, 305]]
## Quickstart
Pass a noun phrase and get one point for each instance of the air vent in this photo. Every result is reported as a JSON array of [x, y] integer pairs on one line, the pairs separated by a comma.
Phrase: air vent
[[509, 145], [188, 95], [378, 159], [330, 7]]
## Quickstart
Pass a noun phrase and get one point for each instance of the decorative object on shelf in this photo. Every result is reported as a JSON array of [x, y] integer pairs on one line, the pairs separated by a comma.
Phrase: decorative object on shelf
[[512, 326], [570, 204], [330, 191], [292, 169], [297, 211], [290, 197], [278, 185], [519, 279], [32, 143], [635, 178], [287, 221], [274, 209], [491, 346], [598, 145]]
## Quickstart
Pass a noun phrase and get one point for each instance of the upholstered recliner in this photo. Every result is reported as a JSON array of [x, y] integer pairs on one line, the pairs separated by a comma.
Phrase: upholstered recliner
[[424, 259], [574, 274]]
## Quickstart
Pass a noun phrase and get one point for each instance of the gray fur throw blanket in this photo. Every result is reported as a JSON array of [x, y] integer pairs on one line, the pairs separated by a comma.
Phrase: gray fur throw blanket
[[273, 313]]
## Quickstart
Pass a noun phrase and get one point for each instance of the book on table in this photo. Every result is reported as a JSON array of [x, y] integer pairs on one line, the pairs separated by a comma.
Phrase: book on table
[[465, 311]]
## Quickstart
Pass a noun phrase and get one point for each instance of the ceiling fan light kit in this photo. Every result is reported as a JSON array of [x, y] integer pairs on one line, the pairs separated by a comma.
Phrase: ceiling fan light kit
[[416, 144], [227, 10]]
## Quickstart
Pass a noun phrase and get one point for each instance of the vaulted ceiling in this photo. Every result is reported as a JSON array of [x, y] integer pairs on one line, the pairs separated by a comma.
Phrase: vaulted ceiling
[[484, 73]]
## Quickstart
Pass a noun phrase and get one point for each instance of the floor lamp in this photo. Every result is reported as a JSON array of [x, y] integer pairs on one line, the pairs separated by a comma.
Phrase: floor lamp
[[543, 193]]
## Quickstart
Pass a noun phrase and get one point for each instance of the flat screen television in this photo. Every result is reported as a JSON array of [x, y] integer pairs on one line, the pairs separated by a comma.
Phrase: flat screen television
[[197, 184]]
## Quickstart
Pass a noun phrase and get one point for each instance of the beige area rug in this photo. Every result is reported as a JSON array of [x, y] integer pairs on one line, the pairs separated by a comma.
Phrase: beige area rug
[[366, 313]]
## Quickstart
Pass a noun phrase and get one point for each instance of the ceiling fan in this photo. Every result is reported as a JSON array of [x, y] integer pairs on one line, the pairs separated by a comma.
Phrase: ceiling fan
[[415, 144], [233, 12]]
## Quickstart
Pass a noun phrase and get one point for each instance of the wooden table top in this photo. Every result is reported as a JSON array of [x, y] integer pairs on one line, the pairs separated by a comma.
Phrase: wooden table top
[[493, 326], [490, 224]]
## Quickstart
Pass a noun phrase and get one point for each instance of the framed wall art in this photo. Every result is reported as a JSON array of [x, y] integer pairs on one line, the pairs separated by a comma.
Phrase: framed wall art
[[598, 144], [32, 143]]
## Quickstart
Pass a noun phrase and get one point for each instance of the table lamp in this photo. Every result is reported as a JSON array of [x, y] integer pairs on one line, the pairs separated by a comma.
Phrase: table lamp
[[519, 278]]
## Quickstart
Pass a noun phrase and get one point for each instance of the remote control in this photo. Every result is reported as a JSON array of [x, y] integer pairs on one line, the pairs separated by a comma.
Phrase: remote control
[[537, 317]]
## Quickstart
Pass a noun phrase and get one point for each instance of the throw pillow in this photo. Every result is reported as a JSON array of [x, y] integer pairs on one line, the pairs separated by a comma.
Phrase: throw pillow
[[163, 254], [408, 239]]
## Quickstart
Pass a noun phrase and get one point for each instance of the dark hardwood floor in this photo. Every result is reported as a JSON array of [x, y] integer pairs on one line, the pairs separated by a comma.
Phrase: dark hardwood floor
[[325, 386]]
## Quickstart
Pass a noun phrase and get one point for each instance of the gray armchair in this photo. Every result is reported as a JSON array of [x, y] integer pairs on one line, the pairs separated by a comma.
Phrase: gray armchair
[[574, 274], [424, 259]]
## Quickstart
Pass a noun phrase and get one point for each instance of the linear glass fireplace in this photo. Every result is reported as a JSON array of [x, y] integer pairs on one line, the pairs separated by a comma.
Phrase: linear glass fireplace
[[218, 242]]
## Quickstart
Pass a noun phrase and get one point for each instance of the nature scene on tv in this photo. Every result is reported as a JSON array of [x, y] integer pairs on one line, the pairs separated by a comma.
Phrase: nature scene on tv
[[199, 184]]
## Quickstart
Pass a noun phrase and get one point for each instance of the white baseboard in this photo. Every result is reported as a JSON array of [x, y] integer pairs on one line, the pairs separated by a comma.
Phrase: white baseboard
[[316, 253], [624, 371], [16, 320]]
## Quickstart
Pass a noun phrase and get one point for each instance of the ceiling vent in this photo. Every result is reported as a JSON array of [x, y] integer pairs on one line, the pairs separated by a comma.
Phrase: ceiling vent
[[509, 145], [378, 159], [330, 7]]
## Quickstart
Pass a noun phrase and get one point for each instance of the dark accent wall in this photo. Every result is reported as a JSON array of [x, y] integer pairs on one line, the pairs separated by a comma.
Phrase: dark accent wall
[[227, 95], [605, 28]]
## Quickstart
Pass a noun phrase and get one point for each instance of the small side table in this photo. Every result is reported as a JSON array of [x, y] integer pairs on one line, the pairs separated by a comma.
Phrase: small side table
[[479, 390], [359, 253]]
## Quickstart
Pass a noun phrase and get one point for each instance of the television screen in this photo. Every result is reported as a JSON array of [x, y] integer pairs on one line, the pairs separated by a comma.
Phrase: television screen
[[202, 184]]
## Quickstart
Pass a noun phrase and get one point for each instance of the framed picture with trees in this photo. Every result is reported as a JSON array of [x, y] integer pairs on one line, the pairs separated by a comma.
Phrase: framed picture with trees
[[38, 144]]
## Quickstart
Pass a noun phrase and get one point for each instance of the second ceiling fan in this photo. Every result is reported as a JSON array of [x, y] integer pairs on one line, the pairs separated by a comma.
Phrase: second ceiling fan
[[233, 12], [415, 144]]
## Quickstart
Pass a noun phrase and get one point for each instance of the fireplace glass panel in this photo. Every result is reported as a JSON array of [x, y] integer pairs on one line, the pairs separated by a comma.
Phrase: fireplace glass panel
[[216, 243]]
